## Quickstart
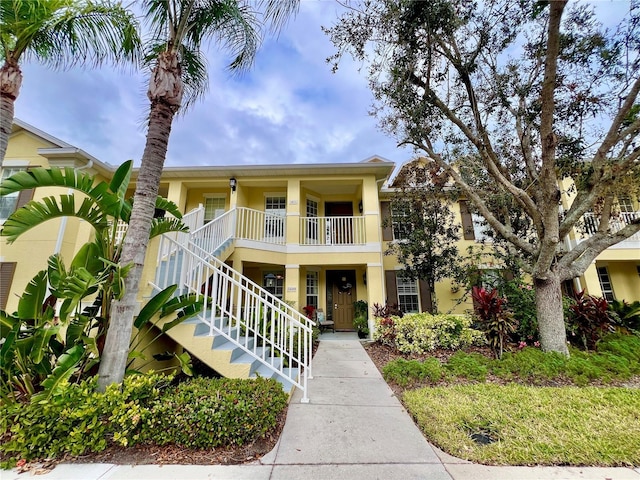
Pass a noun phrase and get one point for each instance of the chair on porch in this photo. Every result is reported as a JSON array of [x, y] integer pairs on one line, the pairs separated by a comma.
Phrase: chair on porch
[[322, 322]]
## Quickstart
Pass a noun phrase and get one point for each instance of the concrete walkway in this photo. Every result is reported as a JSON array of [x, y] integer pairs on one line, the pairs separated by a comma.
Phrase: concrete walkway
[[354, 428]]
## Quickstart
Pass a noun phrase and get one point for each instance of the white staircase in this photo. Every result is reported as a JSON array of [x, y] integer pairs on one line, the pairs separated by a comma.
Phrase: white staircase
[[243, 330]]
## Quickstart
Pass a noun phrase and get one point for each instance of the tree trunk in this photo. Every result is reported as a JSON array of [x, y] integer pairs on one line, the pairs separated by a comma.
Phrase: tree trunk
[[10, 83], [165, 93], [553, 337]]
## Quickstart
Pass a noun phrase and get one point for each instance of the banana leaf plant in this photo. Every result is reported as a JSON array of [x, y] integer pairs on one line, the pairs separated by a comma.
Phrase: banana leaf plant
[[34, 348]]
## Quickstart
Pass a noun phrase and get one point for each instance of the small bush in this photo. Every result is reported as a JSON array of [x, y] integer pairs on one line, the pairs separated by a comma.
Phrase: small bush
[[472, 366], [420, 333], [208, 413], [408, 372], [77, 419], [385, 332], [521, 299], [199, 413]]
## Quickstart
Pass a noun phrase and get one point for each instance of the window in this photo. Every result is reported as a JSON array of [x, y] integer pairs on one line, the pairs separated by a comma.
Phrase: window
[[276, 209], [400, 214], [312, 222], [605, 284], [480, 228], [408, 299], [312, 289], [626, 205], [9, 203], [214, 206]]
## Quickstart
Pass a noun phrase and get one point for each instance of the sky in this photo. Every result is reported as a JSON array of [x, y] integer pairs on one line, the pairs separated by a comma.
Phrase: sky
[[289, 108]]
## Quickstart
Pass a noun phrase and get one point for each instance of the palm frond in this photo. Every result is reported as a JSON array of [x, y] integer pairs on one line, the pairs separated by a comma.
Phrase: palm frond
[[63, 33], [278, 12], [35, 213], [229, 23]]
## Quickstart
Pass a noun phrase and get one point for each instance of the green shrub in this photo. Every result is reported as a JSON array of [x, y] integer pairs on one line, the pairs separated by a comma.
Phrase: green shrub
[[529, 364], [626, 346], [583, 367], [521, 299], [208, 413], [420, 333], [408, 372], [472, 366], [77, 419], [199, 413]]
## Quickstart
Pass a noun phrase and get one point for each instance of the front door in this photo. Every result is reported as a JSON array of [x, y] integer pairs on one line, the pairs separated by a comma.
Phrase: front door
[[340, 225], [344, 294]]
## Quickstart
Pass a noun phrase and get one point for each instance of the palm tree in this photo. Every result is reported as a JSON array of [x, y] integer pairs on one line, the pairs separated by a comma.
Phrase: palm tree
[[180, 29], [60, 34]]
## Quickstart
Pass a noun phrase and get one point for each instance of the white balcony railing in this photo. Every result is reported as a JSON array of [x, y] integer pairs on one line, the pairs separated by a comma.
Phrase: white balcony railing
[[332, 231], [261, 226], [592, 223]]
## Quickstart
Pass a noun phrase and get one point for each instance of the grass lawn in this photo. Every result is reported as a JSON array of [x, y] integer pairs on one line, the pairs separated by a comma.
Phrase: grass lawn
[[527, 425]]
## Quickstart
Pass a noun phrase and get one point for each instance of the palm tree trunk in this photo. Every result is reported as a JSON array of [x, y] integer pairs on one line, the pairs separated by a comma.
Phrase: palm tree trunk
[[165, 93], [10, 83]]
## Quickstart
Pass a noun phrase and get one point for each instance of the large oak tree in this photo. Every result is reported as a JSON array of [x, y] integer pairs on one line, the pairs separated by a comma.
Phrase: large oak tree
[[513, 99]]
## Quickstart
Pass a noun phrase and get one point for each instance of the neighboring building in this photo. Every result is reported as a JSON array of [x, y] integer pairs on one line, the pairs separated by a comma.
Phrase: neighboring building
[[309, 234]]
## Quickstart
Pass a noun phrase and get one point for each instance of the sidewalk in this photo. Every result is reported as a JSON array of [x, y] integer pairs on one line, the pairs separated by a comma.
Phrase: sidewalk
[[354, 428]]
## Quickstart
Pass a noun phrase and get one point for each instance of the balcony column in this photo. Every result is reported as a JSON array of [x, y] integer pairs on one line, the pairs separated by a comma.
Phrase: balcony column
[[177, 193], [371, 210], [292, 285], [293, 212], [375, 288]]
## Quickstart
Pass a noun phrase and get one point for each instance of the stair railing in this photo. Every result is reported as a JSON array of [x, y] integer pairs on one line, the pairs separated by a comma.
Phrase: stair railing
[[214, 234], [243, 312]]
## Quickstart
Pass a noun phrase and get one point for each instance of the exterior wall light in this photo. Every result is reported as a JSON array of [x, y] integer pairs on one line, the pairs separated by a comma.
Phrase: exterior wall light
[[233, 183]]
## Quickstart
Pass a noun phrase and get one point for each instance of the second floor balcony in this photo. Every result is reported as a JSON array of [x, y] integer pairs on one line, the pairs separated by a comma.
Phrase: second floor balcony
[[617, 223]]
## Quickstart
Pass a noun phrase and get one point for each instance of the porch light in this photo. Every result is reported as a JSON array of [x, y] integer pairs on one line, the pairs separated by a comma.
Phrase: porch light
[[360, 206], [233, 183], [270, 280]]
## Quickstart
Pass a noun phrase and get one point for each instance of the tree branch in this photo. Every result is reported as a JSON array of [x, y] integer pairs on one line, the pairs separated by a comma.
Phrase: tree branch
[[577, 260]]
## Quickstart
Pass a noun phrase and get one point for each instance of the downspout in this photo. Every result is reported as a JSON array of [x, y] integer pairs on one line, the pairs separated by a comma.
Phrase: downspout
[[63, 222]]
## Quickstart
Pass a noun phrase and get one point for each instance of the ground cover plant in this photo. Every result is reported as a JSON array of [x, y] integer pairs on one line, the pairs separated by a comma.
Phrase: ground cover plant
[[528, 408]]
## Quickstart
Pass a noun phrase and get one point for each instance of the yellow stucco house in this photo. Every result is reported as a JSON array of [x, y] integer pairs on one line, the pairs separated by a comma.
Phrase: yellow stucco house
[[306, 234]]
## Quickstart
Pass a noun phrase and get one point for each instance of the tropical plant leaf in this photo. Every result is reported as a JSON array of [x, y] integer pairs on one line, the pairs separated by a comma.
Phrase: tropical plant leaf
[[76, 329], [121, 179], [185, 363], [160, 226], [89, 257], [8, 347], [35, 213], [7, 322], [30, 304], [168, 206], [153, 306], [56, 271], [41, 341], [67, 365]]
